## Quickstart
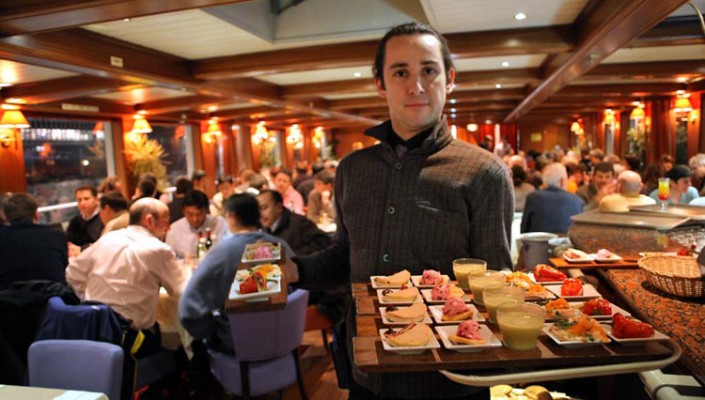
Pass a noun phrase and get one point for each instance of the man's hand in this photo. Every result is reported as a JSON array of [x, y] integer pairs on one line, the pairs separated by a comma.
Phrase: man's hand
[[609, 188], [291, 271], [74, 250]]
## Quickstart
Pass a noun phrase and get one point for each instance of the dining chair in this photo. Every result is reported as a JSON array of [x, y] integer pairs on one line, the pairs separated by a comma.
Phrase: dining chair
[[76, 365], [266, 347]]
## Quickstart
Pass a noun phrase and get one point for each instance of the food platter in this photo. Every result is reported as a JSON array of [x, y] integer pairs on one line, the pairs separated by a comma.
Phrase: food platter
[[261, 252], [416, 279], [589, 292], [633, 341], [426, 294], [426, 319], [437, 313], [273, 287], [576, 342], [381, 299], [432, 344], [491, 341]]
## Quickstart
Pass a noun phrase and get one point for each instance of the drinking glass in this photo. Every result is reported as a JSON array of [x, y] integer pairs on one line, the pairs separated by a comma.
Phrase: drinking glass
[[664, 191], [485, 281], [493, 297], [462, 267], [520, 324]]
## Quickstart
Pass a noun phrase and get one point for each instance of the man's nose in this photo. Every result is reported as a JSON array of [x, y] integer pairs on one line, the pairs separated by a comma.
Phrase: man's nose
[[416, 85]]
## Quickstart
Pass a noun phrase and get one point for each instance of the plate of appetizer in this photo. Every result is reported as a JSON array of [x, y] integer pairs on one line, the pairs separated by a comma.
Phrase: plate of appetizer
[[576, 332], [393, 315], [576, 256], [414, 338], [598, 308], [399, 296], [254, 289], [626, 330], [396, 280], [574, 289], [560, 309], [467, 337], [455, 311], [605, 256], [261, 252], [546, 275], [429, 279], [439, 294]]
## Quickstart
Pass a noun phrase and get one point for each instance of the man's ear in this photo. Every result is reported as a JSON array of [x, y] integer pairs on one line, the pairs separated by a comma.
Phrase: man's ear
[[380, 88], [36, 217], [451, 80]]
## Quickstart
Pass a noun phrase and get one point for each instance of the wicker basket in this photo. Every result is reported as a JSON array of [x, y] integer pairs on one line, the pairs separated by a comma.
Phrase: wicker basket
[[679, 276]]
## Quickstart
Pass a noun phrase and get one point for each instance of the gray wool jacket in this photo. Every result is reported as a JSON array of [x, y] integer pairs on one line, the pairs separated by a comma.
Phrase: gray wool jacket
[[414, 210]]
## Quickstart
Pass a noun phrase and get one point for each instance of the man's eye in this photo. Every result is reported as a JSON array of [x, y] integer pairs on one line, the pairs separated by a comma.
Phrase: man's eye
[[400, 73], [430, 71]]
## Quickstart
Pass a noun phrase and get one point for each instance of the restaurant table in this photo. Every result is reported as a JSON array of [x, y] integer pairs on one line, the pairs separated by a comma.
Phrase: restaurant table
[[682, 319], [8, 392], [548, 361]]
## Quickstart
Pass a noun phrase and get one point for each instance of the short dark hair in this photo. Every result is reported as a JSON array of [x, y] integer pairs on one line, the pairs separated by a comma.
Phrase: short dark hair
[[410, 28], [276, 196], [183, 185], [317, 167], [114, 200], [285, 172], [108, 184], [257, 181], [604, 167], [148, 176], [20, 207], [196, 198], [245, 208], [678, 171], [198, 174], [326, 177], [81, 188], [518, 175], [219, 180], [573, 168]]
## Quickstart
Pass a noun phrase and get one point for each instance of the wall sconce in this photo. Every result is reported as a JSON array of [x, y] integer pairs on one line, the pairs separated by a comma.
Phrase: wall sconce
[[7, 138], [295, 137], [141, 125], [261, 133], [638, 112], [609, 117], [317, 138], [213, 131], [472, 127], [11, 120]]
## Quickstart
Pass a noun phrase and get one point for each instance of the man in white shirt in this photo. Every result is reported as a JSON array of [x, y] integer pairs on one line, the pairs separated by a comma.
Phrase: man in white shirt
[[629, 185], [126, 268], [183, 235]]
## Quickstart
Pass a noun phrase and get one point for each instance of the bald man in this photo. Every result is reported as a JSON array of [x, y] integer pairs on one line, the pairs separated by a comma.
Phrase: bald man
[[629, 185]]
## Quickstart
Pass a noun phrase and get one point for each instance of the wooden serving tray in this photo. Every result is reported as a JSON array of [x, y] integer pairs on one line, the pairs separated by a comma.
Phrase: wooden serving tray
[[273, 302], [624, 263]]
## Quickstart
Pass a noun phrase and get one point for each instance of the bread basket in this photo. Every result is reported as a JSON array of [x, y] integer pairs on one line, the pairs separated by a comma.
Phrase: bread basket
[[679, 276]]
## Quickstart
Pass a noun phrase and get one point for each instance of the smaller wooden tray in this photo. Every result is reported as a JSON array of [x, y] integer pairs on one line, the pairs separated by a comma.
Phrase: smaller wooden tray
[[274, 302], [624, 263]]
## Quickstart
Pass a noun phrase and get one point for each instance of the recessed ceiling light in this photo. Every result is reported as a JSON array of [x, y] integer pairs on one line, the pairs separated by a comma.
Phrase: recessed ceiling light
[[453, 116], [15, 100], [505, 64], [520, 16], [498, 86], [452, 101], [488, 121], [453, 110], [357, 74], [126, 20], [213, 108], [142, 112], [680, 91]]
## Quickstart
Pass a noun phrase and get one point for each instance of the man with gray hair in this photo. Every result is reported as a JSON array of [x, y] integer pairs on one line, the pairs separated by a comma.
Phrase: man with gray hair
[[629, 185], [550, 209]]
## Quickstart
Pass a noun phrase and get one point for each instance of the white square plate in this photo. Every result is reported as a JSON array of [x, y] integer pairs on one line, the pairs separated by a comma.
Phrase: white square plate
[[426, 293], [490, 339], [415, 279], [589, 292], [377, 286], [615, 310], [273, 287], [426, 318], [568, 343], [533, 279], [432, 344], [380, 297], [437, 312], [585, 257], [633, 341], [614, 258], [248, 256]]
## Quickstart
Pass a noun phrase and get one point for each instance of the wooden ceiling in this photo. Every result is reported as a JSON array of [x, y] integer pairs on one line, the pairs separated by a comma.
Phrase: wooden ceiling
[[609, 54]]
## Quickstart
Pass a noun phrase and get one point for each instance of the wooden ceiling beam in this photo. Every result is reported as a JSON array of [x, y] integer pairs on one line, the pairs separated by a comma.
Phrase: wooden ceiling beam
[[29, 17], [649, 69], [64, 88], [676, 31], [463, 45], [466, 79], [624, 89], [105, 107], [602, 31], [176, 104], [698, 86]]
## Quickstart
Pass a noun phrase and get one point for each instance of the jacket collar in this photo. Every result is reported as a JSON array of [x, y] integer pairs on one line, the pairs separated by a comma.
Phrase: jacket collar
[[438, 138]]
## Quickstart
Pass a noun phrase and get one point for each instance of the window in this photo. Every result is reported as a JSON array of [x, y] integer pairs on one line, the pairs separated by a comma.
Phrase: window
[[173, 140]]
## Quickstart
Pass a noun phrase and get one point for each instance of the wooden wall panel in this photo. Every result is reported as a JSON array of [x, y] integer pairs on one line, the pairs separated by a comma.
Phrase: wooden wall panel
[[12, 174], [208, 147], [551, 135]]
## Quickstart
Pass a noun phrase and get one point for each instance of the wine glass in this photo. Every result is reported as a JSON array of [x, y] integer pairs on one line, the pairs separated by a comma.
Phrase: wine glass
[[664, 191]]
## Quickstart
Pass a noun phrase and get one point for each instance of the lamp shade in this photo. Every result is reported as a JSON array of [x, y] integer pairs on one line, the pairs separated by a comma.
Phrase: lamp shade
[[141, 125], [683, 105], [13, 119], [637, 113], [214, 128]]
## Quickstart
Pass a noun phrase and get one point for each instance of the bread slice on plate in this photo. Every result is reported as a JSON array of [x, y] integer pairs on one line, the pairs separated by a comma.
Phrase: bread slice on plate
[[458, 317], [412, 335], [408, 294], [414, 313], [461, 340], [398, 279]]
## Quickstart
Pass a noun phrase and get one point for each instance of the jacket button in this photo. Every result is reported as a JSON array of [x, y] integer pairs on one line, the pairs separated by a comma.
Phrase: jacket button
[[398, 165], [390, 210], [385, 258]]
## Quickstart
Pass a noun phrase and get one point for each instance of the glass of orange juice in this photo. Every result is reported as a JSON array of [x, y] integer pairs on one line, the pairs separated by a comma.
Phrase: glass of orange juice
[[664, 191]]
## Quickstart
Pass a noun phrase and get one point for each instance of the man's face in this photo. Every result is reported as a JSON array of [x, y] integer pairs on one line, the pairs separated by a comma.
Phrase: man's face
[[321, 187], [602, 178], [683, 184], [227, 189], [159, 226], [195, 216], [106, 214], [282, 182], [415, 83], [87, 203], [269, 211]]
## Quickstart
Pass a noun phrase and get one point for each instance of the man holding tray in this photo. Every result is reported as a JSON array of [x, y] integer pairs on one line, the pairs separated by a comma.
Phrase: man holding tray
[[417, 200]]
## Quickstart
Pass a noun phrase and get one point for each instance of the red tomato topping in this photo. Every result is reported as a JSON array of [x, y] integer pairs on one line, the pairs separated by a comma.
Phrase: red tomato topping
[[572, 287], [543, 273], [248, 285], [597, 306], [625, 328]]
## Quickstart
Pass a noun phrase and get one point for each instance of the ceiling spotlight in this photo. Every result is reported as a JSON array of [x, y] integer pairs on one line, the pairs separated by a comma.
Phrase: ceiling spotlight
[[357, 74], [505, 64], [213, 108], [452, 101], [498, 86], [453, 110], [126, 20], [680, 91], [488, 121], [453, 116], [520, 16]]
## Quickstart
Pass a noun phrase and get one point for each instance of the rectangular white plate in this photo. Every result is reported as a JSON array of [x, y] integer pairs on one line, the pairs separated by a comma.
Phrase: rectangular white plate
[[657, 336], [380, 297], [615, 310], [248, 254], [432, 344], [490, 339], [415, 279], [426, 293], [377, 286], [614, 258], [437, 312], [273, 287], [426, 318], [547, 295], [533, 279], [568, 343], [589, 292]]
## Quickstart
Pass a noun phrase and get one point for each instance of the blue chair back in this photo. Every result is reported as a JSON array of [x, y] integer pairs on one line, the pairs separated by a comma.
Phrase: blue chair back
[[76, 365], [90, 322]]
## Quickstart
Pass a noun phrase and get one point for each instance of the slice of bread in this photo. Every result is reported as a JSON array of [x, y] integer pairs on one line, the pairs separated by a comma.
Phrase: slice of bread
[[457, 317], [414, 313], [408, 294], [398, 279], [412, 335], [455, 291], [536, 392], [461, 340], [500, 390]]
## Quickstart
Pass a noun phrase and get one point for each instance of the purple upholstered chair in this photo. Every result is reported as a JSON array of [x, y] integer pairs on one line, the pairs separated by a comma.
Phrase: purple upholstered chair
[[76, 365], [266, 350]]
